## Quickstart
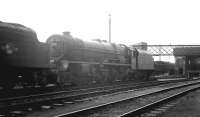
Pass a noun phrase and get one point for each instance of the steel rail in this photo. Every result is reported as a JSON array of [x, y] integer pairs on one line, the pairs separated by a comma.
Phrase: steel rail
[[70, 91], [74, 95], [153, 105], [93, 108]]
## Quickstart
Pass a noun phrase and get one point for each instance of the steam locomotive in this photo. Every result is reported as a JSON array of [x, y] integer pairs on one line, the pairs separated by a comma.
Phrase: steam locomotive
[[65, 60]]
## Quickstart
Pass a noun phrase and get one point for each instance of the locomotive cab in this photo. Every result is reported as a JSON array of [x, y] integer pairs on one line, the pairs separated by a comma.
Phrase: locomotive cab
[[142, 64]]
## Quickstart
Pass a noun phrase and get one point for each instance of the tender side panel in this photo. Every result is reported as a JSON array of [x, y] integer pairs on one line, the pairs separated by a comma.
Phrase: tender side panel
[[19, 47], [29, 55]]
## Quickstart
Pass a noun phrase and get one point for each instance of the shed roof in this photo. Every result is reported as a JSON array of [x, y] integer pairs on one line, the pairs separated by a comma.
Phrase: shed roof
[[187, 51]]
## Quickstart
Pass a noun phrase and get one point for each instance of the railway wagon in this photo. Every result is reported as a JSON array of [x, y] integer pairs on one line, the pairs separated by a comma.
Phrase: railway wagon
[[162, 67], [87, 62], [22, 56]]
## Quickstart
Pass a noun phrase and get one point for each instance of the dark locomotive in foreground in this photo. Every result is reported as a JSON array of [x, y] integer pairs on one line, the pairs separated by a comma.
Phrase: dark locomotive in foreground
[[65, 60]]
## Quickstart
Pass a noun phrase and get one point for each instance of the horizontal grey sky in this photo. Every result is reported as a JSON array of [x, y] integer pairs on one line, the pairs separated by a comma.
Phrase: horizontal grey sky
[[133, 21]]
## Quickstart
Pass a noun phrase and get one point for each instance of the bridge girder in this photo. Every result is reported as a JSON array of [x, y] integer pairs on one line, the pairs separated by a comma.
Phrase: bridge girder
[[164, 50]]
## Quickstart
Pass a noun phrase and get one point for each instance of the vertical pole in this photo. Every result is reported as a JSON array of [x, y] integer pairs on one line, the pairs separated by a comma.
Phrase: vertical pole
[[109, 28], [160, 53]]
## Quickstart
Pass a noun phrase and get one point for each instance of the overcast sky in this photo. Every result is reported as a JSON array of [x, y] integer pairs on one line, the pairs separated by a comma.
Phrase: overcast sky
[[133, 21]]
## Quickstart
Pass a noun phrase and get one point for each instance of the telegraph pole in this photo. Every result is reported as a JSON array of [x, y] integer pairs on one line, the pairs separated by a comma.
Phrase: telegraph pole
[[109, 28]]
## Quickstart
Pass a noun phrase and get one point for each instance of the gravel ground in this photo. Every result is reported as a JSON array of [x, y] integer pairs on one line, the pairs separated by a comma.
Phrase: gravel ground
[[187, 106], [120, 108]]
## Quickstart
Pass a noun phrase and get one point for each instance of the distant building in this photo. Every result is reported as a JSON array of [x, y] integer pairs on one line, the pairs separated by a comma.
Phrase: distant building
[[188, 60], [141, 46]]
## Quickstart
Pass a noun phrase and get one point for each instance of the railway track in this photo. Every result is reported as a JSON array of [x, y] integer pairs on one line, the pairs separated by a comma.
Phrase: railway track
[[130, 104], [156, 108], [20, 92], [24, 91], [30, 102]]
